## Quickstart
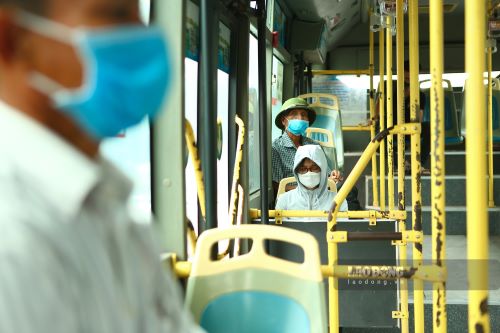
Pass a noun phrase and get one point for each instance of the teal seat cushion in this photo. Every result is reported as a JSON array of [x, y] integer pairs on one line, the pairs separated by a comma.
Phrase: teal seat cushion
[[453, 140], [254, 311]]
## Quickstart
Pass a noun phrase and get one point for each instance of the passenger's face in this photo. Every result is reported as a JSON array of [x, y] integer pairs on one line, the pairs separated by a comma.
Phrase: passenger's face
[[58, 60], [308, 165], [300, 114]]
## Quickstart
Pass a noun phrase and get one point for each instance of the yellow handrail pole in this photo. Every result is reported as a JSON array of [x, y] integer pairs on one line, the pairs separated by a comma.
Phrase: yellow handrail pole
[[381, 51], [416, 192], [365, 158], [372, 124], [236, 176], [477, 215], [236, 171], [333, 294], [438, 194], [390, 123], [403, 283], [357, 72], [491, 198], [193, 152]]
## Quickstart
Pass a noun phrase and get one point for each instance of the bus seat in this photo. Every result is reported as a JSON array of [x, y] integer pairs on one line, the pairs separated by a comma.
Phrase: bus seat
[[452, 130], [332, 187], [328, 116], [324, 138], [257, 292], [495, 110]]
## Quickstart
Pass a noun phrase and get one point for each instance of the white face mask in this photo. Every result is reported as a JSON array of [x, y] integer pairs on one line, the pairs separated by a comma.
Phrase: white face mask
[[310, 179]]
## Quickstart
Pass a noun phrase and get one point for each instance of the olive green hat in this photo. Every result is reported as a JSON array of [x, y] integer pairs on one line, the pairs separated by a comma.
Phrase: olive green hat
[[292, 104]]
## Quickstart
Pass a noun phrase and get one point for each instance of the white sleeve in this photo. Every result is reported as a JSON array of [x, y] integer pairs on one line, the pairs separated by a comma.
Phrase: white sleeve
[[281, 204]]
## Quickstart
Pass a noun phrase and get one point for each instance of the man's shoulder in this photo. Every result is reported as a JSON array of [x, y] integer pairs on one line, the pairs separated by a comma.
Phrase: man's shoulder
[[278, 142]]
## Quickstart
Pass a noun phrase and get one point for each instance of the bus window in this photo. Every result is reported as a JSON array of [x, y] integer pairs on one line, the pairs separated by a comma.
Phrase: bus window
[[253, 117], [191, 114], [129, 151], [277, 93]]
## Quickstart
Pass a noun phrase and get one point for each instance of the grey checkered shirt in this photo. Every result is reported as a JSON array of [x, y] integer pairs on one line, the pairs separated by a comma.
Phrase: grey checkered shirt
[[283, 155]]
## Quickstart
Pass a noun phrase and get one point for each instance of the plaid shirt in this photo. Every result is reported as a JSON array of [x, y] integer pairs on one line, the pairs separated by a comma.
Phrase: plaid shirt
[[283, 155]]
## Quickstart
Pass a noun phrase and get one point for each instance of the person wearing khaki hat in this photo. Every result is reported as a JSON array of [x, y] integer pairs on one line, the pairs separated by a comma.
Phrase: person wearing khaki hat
[[293, 119]]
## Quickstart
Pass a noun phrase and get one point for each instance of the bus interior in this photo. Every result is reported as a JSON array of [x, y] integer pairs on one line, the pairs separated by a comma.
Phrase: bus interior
[[203, 169]]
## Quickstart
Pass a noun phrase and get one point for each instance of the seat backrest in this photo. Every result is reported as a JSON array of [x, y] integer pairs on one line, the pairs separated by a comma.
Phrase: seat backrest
[[332, 187], [257, 292], [495, 99], [452, 130], [328, 116], [324, 138]]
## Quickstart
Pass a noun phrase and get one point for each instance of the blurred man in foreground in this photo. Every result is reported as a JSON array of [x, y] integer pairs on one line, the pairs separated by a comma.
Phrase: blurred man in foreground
[[71, 74]]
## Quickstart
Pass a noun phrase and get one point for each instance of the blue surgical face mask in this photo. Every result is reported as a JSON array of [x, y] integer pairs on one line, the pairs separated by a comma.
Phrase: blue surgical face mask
[[126, 74], [297, 126]]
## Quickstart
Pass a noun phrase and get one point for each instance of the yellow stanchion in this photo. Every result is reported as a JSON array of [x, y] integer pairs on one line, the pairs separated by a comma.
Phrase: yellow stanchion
[[193, 153], [356, 172], [372, 118], [437, 163], [357, 72], [477, 215], [381, 52], [403, 283], [491, 197], [416, 195], [390, 122], [236, 176]]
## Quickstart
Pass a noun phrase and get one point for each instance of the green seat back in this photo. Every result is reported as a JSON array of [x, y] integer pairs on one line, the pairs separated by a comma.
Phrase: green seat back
[[257, 292], [328, 116]]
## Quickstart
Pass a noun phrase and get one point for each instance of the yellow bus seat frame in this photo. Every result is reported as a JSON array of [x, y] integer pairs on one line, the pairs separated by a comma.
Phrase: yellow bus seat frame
[[257, 292], [332, 187], [328, 116], [324, 138]]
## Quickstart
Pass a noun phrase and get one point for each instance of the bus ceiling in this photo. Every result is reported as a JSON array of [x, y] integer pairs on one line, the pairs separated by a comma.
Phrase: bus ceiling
[[346, 21]]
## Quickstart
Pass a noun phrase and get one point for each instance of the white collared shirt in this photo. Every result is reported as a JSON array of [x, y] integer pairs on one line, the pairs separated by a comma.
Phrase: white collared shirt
[[71, 259]]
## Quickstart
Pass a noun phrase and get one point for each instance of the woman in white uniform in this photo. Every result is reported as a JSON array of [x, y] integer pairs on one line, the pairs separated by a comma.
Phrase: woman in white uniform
[[310, 170]]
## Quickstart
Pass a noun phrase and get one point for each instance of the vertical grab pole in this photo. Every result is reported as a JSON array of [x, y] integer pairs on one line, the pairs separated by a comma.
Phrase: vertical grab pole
[[207, 143], [477, 215], [491, 198], [381, 49], [264, 179], [416, 194], [390, 123], [438, 195], [372, 126], [400, 33]]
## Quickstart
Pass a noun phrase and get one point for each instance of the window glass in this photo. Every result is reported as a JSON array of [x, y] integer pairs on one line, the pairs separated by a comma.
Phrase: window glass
[[352, 94], [130, 153], [191, 107], [279, 23], [253, 117], [191, 114], [144, 10], [276, 93]]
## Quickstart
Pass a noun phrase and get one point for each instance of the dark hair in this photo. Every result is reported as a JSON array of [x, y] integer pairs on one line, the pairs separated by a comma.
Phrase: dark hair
[[35, 6]]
